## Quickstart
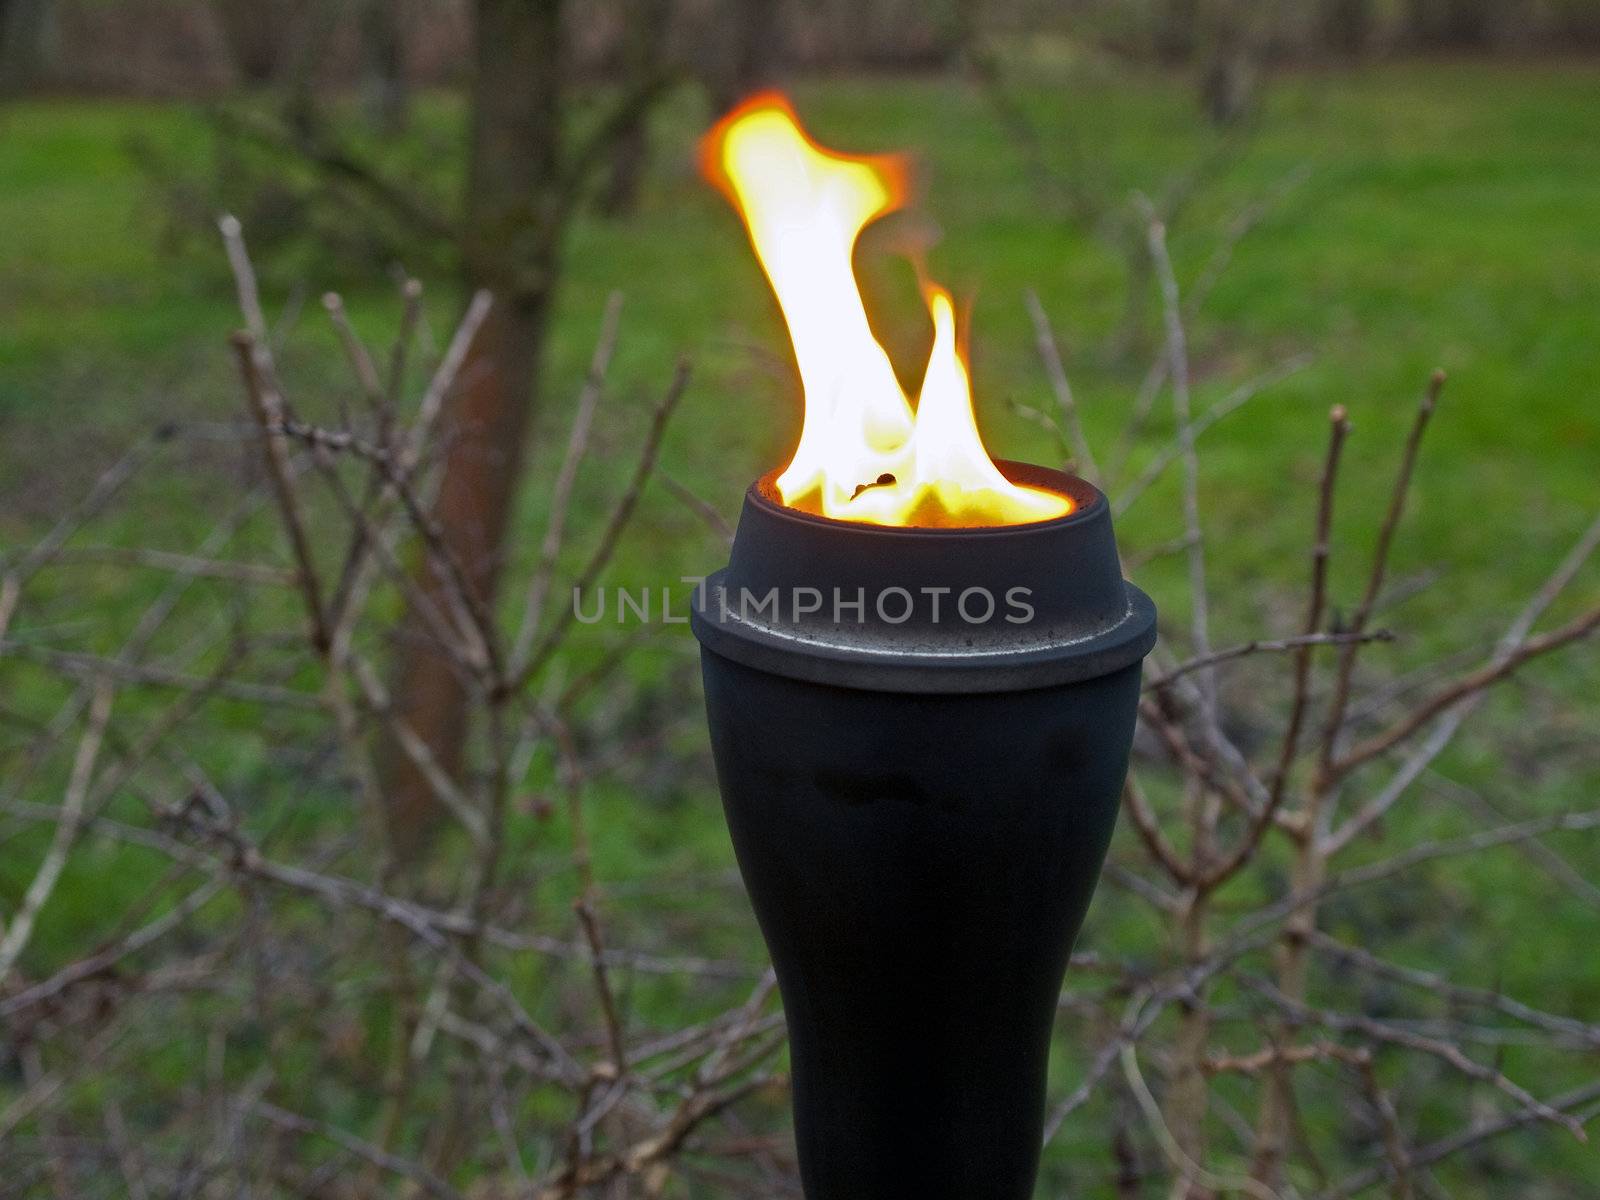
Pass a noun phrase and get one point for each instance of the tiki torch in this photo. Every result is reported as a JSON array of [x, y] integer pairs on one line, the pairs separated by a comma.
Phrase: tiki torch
[[921, 672]]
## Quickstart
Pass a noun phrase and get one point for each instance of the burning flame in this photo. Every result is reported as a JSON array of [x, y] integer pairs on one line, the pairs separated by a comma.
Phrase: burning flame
[[864, 455]]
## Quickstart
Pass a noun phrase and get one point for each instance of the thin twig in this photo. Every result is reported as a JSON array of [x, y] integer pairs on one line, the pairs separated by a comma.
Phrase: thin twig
[[1468, 685], [1050, 353], [355, 350], [713, 520], [1232, 402], [1262, 646], [244, 277], [1262, 919], [1481, 1131], [1178, 359], [615, 1038], [410, 318], [1380, 563], [1240, 227], [91, 666], [1148, 826], [1338, 431], [101, 961], [189, 564], [1442, 733], [315, 145], [68, 824], [1440, 986], [444, 379], [267, 411], [566, 478], [620, 516], [364, 1150], [1445, 1051], [1129, 1056], [106, 486]]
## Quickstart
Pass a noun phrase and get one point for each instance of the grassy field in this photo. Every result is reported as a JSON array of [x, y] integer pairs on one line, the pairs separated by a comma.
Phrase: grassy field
[[1449, 216]]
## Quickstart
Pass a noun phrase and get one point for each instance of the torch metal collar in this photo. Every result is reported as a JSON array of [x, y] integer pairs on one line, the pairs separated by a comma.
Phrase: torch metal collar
[[989, 609]]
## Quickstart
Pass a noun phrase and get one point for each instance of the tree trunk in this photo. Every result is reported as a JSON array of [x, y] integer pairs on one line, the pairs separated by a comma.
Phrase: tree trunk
[[1228, 79], [1347, 26], [751, 45], [26, 43], [643, 49], [510, 247], [1419, 22], [383, 66], [259, 35], [1453, 24], [1470, 23], [964, 30], [1177, 32]]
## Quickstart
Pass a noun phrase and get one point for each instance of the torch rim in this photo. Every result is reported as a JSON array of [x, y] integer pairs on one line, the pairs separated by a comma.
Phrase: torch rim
[[1084, 495], [1093, 621]]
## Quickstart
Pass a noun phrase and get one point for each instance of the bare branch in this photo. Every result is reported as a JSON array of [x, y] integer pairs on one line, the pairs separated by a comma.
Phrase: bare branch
[[1467, 686], [1338, 430], [1445, 1051], [1442, 733], [266, 409], [444, 379], [341, 163], [103, 960], [105, 488], [566, 478], [188, 564], [1149, 828], [1190, 1169], [411, 744], [708, 514], [244, 277], [546, 646], [1050, 354], [1414, 856], [1380, 562], [68, 824], [615, 1037], [1262, 646], [355, 350], [1440, 986], [1239, 228], [1232, 402], [637, 100], [1178, 369], [1481, 1131], [364, 1150], [93, 666], [410, 318]]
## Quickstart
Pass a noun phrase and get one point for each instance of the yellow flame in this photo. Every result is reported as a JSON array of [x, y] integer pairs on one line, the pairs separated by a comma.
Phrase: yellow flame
[[863, 455]]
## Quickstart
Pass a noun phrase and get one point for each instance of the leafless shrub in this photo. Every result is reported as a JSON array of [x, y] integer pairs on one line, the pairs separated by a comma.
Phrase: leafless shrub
[[269, 1007], [1248, 960]]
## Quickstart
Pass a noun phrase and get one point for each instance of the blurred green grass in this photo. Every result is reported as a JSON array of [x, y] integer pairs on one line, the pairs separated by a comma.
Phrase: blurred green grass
[[1450, 217]]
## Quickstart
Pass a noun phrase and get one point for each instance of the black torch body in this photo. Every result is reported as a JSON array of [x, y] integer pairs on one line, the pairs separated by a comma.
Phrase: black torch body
[[920, 807]]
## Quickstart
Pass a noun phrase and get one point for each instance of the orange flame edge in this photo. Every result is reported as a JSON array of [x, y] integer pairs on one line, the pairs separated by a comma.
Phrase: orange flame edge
[[865, 454]]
